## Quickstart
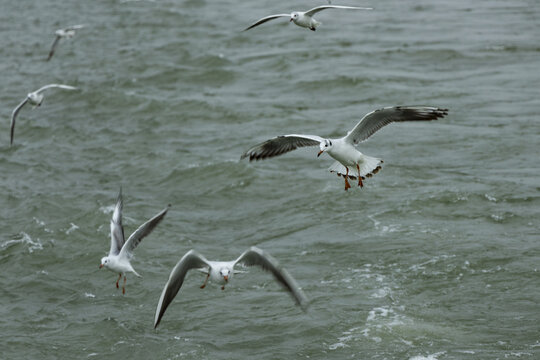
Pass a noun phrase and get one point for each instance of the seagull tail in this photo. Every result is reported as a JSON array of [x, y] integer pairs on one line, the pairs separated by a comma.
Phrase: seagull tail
[[368, 167]]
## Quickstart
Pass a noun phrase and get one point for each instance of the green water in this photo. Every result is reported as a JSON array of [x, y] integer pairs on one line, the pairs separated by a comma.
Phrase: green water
[[435, 258]]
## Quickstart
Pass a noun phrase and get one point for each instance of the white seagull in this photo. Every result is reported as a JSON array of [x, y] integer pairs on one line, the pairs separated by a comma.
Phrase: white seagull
[[350, 163], [34, 98], [304, 18], [121, 251], [67, 33], [221, 272]]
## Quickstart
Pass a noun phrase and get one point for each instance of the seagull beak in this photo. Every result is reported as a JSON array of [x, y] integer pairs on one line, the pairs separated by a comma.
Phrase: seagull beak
[[226, 278], [100, 266], [291, 20], [320, 152]]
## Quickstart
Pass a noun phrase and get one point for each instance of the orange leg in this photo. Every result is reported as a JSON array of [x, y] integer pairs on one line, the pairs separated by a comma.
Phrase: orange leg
[[205, 281], [124, 286], [359, 177], [347, 185], [119, 277]]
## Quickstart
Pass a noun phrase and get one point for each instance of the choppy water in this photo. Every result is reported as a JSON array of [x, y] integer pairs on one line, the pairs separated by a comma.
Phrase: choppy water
[[436, 257]]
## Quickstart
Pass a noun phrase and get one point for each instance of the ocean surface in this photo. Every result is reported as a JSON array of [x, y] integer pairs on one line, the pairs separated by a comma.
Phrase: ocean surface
[[436, 258]]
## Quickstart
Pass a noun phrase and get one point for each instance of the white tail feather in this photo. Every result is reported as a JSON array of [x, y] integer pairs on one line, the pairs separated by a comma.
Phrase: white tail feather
[[368, 167]]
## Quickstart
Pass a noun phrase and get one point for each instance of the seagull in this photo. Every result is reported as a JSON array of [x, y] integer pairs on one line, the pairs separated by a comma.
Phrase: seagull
[[221, 272], [67, 33], [34, 98], [304, 18], [121, 251], [350, 163]]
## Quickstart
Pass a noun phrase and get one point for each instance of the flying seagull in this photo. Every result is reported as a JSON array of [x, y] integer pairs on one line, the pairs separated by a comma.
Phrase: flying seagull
[[221, 272], [350, 163], [121, 251], [304, 18], [34, 98], [67, 33]]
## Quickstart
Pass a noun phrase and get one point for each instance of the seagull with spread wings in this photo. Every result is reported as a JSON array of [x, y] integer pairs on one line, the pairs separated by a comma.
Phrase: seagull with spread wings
[[121, 251], [304, 18], [221, 272], [350, 163], [66, 33], [34, 98]]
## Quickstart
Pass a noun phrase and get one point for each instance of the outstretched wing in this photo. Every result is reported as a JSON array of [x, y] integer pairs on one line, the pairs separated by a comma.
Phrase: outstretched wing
[[60, 86], [73, 27], [117, 230], [315, 10], [139, 234], [53, 47], [281, 145], [192, 260], [265, 19], [382, 117], [255, 256], [14, 117]]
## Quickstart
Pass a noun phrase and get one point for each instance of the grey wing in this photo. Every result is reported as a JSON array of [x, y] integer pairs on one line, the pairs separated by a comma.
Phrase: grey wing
[[73, 27], [265, 19], [60, 86], [255, 256], [281, 145], [117, 230], [191, 260], [53, 47], [14, 117], [377, 119], [315, 10], [139, 234]]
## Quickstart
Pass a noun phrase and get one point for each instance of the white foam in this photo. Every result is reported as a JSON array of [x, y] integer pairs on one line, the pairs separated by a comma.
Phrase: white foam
[[427, 357], [107, 209], [26, 240], [72, 228]]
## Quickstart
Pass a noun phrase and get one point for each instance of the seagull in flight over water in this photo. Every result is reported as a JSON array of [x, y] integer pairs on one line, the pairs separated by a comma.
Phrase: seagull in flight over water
[[222, 272], [67, 33], [121, 251], [350, 163], [304, 18], [34, 98]]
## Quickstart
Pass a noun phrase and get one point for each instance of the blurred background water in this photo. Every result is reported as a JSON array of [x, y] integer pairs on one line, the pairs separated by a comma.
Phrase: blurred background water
[[435, 258]]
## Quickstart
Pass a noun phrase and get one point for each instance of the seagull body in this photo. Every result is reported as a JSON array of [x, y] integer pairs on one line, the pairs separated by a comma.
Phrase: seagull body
[[34, 98], [121, 251], [221, 272], [66, 33], [304, 18], [350, 163]]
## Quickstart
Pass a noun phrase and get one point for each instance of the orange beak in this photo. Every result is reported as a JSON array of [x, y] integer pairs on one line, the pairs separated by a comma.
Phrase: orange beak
[[319, 154], [100, 266], [226, 278]]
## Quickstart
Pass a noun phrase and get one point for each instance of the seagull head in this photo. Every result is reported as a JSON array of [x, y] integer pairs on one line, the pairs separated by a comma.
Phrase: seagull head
[[226, 273], [294, 16], [323, 146], [104, 261], [35, 98]]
